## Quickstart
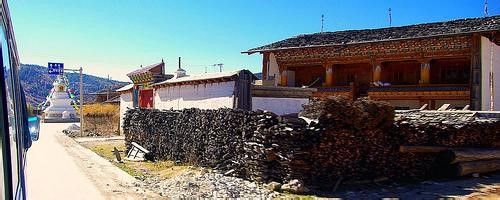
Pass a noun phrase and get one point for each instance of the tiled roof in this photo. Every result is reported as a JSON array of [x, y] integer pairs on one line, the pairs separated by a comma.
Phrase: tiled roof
[[112, 89], [145, 69], [460, 26], [201, 77]]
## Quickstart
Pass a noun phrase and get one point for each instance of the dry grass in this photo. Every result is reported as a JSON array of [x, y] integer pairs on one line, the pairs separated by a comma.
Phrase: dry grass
[[101, 119], [101, 110], [162, 169]]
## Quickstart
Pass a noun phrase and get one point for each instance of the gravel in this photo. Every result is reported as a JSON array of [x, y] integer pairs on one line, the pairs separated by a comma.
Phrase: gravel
[[203, 184]]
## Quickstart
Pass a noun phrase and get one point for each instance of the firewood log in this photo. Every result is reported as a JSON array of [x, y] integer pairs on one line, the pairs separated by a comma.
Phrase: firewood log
[[470, 154], [482, 166]]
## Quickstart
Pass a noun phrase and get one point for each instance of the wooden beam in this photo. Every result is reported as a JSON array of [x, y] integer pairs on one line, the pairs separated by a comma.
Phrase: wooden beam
[[483, 166], [471, 154], [422, 149]]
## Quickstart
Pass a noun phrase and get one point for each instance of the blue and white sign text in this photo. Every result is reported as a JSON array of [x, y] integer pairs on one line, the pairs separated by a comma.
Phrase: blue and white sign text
[[56, 68]]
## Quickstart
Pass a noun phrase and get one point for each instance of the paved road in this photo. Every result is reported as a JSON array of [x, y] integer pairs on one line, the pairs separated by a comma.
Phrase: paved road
[[59, 168]]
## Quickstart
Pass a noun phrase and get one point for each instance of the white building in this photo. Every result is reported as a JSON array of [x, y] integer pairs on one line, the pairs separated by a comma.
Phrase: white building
[[232, 89]]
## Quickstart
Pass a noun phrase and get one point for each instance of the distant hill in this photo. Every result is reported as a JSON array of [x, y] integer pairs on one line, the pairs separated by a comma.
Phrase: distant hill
[[37, 83], [258, 75]]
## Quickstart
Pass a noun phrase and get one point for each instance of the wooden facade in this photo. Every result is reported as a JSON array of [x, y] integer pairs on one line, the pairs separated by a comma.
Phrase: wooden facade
[[143, 79], [412, 71]]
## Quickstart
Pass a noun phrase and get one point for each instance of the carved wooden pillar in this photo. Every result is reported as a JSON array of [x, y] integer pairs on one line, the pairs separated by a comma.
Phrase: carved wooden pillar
[[284, 75], [329, 75], [377, 71], [475, 90], [265, 66], [425, 72]]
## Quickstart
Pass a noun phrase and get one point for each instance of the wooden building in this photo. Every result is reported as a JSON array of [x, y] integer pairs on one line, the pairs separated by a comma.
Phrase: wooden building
[[143, 79], [408, 66], [108, 95]]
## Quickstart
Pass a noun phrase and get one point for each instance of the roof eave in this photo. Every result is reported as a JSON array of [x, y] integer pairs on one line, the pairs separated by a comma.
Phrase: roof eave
[[249, 52]]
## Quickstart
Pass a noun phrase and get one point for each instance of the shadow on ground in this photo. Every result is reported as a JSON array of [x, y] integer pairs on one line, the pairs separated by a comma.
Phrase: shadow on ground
[[486, 186]]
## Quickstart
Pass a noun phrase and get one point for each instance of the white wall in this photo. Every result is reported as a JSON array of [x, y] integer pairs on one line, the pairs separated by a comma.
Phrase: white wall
[[125, 103], [279, 105], [486, 55], [203, 96], [274, 69]]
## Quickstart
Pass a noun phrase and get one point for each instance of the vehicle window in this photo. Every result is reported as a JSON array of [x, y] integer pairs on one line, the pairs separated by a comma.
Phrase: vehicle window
[[10, 106]]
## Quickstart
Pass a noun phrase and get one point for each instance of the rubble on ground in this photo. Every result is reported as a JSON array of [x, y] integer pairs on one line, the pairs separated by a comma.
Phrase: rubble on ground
[[195, 184]]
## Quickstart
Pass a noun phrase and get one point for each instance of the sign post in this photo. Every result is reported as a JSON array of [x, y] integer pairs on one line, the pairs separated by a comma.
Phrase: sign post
[[81, 101]]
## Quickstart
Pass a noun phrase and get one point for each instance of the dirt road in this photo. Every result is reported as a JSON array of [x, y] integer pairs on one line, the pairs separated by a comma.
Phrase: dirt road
[[59, 168]]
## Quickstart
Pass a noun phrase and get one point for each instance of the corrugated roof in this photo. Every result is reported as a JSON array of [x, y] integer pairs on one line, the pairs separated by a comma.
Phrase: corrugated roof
[[460, 26]]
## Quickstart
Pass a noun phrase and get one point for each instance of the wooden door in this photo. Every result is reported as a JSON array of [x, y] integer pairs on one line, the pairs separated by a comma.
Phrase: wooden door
[[146, 98]]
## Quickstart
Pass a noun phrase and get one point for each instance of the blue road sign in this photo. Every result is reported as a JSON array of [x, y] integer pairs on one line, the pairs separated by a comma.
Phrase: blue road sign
[[56, 68]]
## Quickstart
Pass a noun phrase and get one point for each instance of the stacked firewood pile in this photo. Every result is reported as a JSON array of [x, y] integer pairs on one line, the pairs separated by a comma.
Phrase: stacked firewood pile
[[334, 140], [426, 135], [357, 143], [256, 145]]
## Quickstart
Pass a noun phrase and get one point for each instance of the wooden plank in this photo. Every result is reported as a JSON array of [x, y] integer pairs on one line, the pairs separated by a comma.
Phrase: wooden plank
[[140, 147], [422, 149]]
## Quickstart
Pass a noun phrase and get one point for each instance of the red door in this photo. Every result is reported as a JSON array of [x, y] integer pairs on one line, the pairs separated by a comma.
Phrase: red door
[[146, 98]]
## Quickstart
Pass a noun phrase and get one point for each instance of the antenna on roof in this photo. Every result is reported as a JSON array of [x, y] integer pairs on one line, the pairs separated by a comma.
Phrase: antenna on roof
[[220, 66], [390, 17], [322, 21], [179, 62], [486, 8]]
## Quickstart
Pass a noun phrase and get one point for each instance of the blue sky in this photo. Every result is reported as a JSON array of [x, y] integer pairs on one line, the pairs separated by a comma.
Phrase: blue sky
[[114, 37]]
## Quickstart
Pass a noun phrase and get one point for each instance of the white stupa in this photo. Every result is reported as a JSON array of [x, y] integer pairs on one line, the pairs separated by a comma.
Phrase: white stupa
[[60, 108]]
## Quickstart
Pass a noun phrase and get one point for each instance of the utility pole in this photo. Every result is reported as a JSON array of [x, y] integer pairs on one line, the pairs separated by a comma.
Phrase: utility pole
[[108, 88], [81, 95], [81, 101]]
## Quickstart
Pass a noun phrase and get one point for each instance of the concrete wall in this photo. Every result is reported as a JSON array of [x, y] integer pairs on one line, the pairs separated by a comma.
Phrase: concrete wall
[[203, 96], [279, 105], [490, 54], [125, 103]]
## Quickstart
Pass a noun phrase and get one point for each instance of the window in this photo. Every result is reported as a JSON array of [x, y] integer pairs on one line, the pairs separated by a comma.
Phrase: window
[[455, 75], [10, 115], [350, 78], [398, 77]]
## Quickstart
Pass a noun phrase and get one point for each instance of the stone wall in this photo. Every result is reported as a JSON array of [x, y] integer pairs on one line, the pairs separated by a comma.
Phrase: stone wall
[[343, 140]]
